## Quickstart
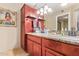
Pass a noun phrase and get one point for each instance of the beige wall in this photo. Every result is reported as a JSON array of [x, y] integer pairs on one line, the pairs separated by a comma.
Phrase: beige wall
[[10, 36], [51, 18], [18, 30], [50, 21]]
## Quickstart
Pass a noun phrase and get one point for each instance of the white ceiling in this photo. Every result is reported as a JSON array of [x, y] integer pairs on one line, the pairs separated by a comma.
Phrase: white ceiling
[[17, 6], [11, 6], [39, 5], [54, 6]]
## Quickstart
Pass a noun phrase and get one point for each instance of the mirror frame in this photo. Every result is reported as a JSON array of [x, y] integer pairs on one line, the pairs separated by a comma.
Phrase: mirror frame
[[76, 18], [69, 20]]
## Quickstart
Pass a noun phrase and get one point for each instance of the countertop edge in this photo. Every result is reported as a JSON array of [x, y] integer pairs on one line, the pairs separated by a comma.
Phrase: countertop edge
[[56, 39]]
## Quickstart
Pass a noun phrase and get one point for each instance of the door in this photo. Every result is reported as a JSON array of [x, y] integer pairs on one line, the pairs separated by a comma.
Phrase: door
[[37, 49]]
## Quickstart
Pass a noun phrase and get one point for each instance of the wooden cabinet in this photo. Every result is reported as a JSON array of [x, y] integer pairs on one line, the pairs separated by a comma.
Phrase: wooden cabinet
[[34, 45], [30, 47], [35, 38], [37, 49], [49, 52], [26, 11], [60, 47], [50, 43], [23, 27], [37, 46], [40, 46], [70, 50]]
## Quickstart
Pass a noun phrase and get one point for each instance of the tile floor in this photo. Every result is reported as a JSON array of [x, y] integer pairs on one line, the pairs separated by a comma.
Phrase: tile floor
[[15, 52]]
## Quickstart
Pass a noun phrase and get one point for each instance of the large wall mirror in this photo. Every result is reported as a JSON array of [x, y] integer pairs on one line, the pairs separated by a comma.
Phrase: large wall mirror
[[77, 19], [63, 22]]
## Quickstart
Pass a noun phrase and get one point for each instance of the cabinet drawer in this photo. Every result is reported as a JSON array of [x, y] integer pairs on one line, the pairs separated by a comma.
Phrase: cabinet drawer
[[34, 38], [49, 43], [52, 53], [48, 52]]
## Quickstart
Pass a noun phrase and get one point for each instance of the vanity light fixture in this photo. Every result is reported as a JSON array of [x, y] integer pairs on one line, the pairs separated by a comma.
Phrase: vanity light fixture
[[45, 7], [44, 10], [38, 12], [49, 10], [41, 10]]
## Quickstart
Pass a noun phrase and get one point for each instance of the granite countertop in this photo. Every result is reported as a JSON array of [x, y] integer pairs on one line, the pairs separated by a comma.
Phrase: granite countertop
[[66, 39]]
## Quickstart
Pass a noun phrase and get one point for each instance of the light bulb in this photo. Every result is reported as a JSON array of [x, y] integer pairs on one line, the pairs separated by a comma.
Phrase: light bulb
[[38, 12], [40, 18], [41, 10], [41, 13], [45, 7], [45, 12], [49, 10]]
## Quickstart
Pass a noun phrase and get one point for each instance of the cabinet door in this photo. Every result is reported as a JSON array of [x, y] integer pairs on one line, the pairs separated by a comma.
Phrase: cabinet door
[[36, 49], [34, 38], [48, 52], [30, 47]]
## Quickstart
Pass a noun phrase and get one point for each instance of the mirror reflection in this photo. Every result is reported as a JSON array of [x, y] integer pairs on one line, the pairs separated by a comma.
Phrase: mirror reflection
[[62, 23]]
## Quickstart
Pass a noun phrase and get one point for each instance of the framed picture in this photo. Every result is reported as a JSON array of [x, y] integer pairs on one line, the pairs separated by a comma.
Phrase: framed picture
[[7, 18]]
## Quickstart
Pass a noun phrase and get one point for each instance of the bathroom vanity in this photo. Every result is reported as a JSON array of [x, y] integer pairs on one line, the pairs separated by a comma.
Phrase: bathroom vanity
[[40, 44]]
